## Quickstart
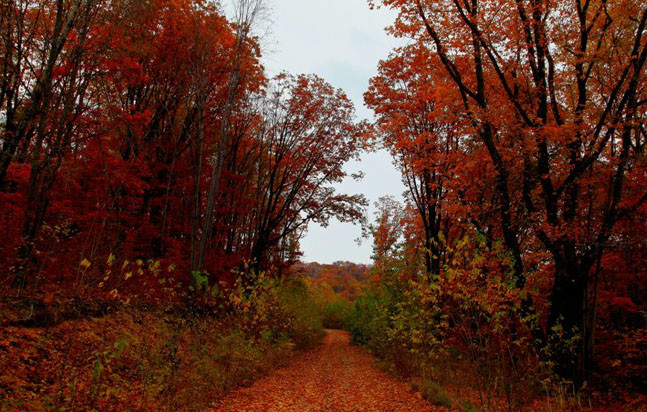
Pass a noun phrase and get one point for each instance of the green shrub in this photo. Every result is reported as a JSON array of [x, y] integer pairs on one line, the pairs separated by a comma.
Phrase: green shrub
[[432, 392], [305, 327], [366, 321], [336, 313], [468, 407]]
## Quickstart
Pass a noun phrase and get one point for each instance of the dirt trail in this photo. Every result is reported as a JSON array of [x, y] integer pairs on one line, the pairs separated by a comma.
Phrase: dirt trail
[[335, 377]]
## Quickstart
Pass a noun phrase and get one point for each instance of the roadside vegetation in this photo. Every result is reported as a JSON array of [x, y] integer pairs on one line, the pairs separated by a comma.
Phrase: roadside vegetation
[[465, 340], [145, 357]]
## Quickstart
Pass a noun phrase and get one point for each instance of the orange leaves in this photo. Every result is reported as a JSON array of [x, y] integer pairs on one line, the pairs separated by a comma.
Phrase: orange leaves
[[345, 278], [334, 377], [544, 100]]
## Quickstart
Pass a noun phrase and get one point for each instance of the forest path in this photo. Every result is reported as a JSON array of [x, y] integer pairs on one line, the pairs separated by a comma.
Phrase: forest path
[[334, 377]]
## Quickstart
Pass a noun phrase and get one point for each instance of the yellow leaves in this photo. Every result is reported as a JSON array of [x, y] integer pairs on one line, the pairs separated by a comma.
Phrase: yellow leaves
[[128, 275], [85, 263], [111, 259]]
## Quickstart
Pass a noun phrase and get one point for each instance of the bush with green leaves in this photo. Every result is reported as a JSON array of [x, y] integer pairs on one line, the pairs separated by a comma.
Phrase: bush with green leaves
[[336, 312]]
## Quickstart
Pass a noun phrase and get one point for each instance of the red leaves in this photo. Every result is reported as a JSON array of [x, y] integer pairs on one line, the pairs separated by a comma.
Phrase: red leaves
[[624, 304], [125, 127]]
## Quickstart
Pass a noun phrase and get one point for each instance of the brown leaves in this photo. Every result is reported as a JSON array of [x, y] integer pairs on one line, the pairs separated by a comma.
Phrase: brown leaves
[[334, 377]]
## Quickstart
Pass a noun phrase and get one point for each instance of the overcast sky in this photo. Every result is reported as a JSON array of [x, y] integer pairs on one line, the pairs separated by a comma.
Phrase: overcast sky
[[341, 41]]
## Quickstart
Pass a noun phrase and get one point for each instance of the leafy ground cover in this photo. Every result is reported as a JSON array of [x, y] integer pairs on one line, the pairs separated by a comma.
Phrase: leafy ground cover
[[334, 377]]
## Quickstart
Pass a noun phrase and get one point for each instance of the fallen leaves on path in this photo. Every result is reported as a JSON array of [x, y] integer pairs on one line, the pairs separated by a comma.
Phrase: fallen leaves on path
[[335, 377]]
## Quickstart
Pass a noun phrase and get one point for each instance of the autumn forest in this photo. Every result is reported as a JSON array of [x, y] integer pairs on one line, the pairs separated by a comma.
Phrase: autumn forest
[[156, 182]]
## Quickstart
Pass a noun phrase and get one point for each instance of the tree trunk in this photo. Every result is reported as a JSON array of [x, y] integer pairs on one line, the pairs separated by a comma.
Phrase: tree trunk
[[570, 329], [258, 256]]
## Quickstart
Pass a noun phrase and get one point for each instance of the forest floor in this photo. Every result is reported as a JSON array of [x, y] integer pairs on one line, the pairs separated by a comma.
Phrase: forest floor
[[335, 377]]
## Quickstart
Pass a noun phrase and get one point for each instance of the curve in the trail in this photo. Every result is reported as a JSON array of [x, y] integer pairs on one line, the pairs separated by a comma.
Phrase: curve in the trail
[[335, 377]]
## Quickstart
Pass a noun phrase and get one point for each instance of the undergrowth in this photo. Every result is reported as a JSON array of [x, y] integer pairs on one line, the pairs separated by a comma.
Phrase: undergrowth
[[138, 359]]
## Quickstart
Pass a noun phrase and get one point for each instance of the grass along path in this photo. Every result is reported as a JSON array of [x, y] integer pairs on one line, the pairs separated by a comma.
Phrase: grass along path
[[335, 377]]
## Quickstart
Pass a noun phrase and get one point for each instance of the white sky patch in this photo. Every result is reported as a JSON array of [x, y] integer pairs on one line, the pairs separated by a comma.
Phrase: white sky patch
[[341, 41]]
